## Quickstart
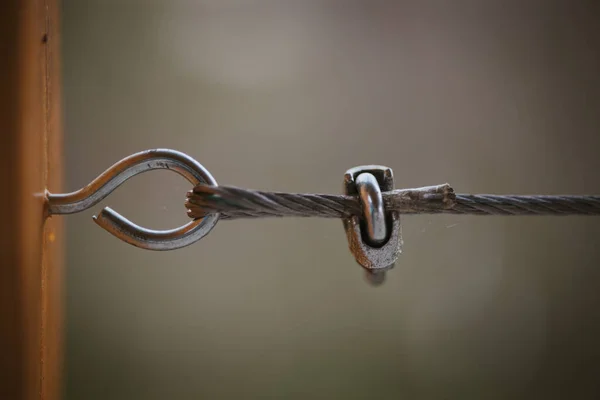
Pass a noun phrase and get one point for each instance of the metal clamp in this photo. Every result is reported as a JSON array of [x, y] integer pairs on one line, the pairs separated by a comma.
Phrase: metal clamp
[[375, 240]]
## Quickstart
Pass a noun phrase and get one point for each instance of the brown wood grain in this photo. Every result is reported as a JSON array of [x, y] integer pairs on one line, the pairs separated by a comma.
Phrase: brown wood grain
[[30, 162]]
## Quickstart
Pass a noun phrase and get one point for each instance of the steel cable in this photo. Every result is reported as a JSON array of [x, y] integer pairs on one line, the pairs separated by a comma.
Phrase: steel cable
[[233, 203]]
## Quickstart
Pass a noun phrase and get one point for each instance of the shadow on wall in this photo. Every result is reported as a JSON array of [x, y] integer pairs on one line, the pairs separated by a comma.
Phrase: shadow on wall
[[497, 97]]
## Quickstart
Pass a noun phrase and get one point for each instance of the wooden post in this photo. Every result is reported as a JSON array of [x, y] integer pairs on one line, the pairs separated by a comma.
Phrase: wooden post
[[30, 162]]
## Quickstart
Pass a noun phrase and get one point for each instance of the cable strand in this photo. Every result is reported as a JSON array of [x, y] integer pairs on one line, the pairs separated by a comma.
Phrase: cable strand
[[234, 203]]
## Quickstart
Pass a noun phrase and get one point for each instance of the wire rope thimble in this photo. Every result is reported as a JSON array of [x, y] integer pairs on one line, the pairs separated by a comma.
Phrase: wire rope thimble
[[375, 237]]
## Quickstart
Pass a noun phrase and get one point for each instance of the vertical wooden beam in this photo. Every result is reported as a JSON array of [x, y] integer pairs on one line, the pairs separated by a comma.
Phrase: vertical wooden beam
[[12, 362], [53, 250], [30, 162]]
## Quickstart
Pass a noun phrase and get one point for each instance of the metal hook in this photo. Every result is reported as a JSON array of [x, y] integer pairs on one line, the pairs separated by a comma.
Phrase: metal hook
[[121, 227]]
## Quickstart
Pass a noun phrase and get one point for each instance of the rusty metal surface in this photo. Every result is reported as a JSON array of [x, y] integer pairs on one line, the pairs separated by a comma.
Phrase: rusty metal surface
[[380, 256]]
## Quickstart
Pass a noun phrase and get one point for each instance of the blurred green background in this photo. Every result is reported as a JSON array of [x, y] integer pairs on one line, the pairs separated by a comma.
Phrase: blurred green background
[[492, 97]]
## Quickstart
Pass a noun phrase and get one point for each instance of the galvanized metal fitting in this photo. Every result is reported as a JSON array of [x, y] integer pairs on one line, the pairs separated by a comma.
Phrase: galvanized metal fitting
[[375, 240]]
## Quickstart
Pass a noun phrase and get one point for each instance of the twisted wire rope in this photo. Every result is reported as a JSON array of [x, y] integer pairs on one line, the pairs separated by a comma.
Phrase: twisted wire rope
[[232, 203]]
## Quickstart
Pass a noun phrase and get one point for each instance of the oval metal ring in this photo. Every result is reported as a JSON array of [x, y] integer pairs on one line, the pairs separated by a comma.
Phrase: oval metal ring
[[121, 227], [373, 209]]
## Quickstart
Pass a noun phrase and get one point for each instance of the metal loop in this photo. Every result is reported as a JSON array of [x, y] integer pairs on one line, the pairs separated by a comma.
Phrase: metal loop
[[121, 227], [372, 203]]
